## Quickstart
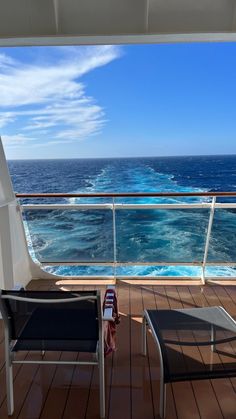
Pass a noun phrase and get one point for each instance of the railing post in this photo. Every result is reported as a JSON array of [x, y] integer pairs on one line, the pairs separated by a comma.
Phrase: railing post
[[114, 234], [211, 217]]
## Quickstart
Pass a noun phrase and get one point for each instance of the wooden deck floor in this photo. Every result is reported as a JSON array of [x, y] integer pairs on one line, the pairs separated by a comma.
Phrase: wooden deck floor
[[132, 381]]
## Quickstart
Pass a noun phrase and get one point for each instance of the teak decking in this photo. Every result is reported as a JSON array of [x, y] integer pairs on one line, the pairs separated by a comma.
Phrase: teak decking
[[132, 381]]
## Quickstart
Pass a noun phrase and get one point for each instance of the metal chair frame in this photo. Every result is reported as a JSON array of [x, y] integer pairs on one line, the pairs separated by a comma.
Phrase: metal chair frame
[[147, 323], [9, 353]]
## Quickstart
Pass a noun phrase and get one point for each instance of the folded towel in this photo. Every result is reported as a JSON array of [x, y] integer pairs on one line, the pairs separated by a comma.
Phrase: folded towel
[[110, 301]]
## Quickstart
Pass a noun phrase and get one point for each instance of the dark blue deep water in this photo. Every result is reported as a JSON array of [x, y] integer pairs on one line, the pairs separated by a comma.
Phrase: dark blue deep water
[[142, 235]]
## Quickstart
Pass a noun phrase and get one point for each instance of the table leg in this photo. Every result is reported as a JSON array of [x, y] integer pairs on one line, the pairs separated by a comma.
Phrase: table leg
[[144, 336], [162, 398]]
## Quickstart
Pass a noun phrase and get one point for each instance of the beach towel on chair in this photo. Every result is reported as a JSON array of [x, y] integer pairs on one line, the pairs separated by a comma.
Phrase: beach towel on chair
[[110, 301]]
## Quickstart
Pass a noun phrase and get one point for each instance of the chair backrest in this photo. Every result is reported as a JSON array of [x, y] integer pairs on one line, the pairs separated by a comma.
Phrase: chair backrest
[[54, 316]]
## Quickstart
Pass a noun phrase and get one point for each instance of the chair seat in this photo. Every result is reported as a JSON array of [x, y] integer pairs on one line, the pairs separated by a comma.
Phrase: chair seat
[[49, 323], [52, 321]]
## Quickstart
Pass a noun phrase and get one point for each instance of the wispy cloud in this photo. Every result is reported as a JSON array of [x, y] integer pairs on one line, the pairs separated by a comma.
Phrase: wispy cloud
[[6, 118], [49, 96], [16, 140], [5, 61]]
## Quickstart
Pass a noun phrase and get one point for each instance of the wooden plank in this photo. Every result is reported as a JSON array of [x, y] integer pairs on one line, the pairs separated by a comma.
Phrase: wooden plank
[[141, 394], [79, 390], [16, 370], [186, 407], [222, 387], [22, 384], [120, 399], [204, 392], [161, 302], [93, 394], [231, 291], [160, 281], [38, 391], [78, 395], [57, 396], [132, 381]]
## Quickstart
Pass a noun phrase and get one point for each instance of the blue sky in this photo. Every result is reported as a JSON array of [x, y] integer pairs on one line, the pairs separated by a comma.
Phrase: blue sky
[[114, 101]]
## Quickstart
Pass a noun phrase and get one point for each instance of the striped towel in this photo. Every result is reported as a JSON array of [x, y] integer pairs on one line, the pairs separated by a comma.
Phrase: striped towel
[[110, 301]]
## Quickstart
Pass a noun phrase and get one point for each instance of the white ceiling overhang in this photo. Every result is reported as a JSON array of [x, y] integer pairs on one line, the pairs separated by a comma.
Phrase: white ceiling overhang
[[52, 22]]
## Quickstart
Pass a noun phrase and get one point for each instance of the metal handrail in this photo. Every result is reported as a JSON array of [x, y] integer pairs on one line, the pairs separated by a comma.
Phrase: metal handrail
[[124, 195], [127, 206]]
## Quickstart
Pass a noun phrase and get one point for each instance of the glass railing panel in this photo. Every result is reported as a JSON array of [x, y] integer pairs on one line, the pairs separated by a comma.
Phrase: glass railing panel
[[65, 270], [160, 235], [70, 235], [156, 271], [162, 200], [134, 271], [145, 236], [220, 272], [222, 247]]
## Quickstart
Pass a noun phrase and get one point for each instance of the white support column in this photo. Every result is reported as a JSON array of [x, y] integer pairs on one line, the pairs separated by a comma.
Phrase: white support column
[[6, 196], [6, 261], [6, 191], [14, 256]]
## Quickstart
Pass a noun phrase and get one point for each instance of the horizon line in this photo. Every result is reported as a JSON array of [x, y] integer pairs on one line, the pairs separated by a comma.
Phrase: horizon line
[[124, 157]]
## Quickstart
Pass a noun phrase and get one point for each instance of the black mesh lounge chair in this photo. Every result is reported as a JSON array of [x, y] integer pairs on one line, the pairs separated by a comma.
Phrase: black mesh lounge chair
[[186, 340], [54, 321]]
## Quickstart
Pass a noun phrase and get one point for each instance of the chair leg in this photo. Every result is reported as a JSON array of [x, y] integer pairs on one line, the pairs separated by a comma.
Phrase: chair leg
[[162, 399], [144, 336], [101, 384], [9, 382]]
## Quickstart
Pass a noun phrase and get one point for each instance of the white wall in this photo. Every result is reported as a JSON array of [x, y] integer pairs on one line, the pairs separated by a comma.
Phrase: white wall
[[14, 257]]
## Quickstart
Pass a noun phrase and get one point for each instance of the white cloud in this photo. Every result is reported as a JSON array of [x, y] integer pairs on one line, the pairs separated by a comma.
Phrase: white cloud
[[50, 95], [16, 140], [5, 60], [83, 117], [6, 118]]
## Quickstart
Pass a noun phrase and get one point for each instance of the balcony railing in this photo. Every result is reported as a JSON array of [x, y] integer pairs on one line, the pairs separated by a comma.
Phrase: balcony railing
[[120, 208]]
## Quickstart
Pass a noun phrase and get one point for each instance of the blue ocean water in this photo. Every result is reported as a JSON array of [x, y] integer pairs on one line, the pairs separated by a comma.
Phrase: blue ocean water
[[142, 235]]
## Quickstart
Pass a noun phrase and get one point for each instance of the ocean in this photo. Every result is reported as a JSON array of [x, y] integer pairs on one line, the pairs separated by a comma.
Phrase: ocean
[[142, 236]]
